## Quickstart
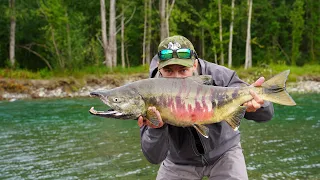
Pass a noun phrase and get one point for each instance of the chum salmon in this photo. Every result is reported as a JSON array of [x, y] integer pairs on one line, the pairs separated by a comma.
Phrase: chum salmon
[[189, 101]]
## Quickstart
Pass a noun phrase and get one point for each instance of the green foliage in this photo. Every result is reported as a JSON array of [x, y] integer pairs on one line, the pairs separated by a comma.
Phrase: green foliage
[[249, 75], [77, 73], [66, 34], [312, 33], [18, 74], [296, 18]]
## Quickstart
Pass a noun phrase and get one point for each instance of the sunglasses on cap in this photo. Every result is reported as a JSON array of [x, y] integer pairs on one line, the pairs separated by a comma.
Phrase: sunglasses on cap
[[183, 53]]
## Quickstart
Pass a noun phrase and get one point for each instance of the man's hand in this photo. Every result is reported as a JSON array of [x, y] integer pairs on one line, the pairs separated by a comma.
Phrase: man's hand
[[143, 121], [256, 102]]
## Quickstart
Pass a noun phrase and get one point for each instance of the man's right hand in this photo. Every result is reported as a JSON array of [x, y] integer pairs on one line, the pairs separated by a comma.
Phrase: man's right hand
[[144, 121]]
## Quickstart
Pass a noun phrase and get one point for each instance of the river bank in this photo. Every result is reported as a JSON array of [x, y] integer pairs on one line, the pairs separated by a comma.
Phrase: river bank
[[12, 89]]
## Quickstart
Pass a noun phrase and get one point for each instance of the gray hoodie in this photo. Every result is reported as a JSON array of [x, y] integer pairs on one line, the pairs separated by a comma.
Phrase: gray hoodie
[[183, 145]]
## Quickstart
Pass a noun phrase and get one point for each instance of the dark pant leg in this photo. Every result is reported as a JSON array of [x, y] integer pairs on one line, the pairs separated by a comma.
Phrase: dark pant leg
[[230, 166], [170, 171]]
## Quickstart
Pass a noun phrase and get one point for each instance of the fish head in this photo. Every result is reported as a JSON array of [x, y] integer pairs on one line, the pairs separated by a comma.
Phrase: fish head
[[124, 103]]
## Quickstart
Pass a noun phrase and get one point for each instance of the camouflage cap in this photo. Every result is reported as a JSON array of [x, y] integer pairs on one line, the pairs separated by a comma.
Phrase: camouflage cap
[[174, 43]]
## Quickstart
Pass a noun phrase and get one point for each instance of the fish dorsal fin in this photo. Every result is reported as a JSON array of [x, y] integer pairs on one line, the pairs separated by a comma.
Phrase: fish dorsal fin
[[203, 130], [235, 117], [202, 79]]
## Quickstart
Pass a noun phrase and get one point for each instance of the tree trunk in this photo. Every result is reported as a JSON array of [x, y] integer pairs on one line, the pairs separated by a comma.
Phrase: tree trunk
[[168, 15], [127, 57], [248, 62], [220, 32], [12, 32], [144, 33], [60, 58], [231, 36], [163, 23], [69, 41], [107, 60], [283, 52], [113, 33], [215, 54], [37, 54], [164, 18], [214, 49], [312, 51], [202, 43], [123, 63], [148, 39]]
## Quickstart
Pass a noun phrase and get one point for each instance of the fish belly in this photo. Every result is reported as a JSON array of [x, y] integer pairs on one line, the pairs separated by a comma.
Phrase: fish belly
[[186, 112]]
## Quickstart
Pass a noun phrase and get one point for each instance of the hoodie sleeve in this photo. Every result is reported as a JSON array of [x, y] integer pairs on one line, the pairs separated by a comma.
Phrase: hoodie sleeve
[[155, 143], [265, 113], [153, 68], [225, 77]]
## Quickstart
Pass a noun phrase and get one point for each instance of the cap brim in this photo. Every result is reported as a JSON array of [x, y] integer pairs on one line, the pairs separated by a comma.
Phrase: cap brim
[[182, 62]]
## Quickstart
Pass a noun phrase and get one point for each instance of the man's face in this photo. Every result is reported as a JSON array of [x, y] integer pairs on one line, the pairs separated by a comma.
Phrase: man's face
[[178, 71]]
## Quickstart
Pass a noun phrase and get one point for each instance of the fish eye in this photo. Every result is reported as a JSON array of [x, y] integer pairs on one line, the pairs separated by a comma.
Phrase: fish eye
[[116, 100]]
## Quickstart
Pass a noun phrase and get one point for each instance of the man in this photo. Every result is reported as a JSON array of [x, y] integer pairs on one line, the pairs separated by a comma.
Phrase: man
[[184, 153]]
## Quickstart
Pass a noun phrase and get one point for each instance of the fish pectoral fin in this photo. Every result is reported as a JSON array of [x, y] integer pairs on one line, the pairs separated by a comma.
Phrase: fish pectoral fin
[[152, 117], [203, 130], [234, 118]]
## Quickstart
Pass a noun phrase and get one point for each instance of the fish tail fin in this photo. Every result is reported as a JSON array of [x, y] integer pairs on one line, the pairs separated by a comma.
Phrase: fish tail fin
[[275, 89], [235, 118]]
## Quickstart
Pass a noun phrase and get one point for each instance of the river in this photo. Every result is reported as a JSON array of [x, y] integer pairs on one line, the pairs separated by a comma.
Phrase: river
[[59, 139]]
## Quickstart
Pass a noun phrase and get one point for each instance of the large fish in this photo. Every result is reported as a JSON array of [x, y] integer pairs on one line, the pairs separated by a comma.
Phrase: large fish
[[188, 101]]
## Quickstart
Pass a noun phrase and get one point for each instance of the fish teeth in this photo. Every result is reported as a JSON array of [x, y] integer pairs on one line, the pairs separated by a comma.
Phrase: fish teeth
[[92, 110], [118, 114]]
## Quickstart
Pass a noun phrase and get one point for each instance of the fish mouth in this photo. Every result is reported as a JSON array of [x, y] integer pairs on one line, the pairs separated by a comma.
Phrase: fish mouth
[[110, 113]]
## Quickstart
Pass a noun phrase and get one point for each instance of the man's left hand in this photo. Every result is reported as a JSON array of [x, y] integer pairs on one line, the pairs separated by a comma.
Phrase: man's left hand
[[256, 102]]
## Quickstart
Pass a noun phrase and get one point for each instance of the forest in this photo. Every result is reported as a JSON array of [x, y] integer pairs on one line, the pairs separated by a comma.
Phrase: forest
[[74, 34]]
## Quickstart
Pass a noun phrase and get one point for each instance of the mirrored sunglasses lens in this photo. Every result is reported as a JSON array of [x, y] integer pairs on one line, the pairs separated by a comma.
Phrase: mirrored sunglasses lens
[[166, 54], [184, 53]]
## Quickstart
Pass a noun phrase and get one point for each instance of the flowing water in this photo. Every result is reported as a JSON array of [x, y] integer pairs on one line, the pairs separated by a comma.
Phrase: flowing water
[[59, 139]]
